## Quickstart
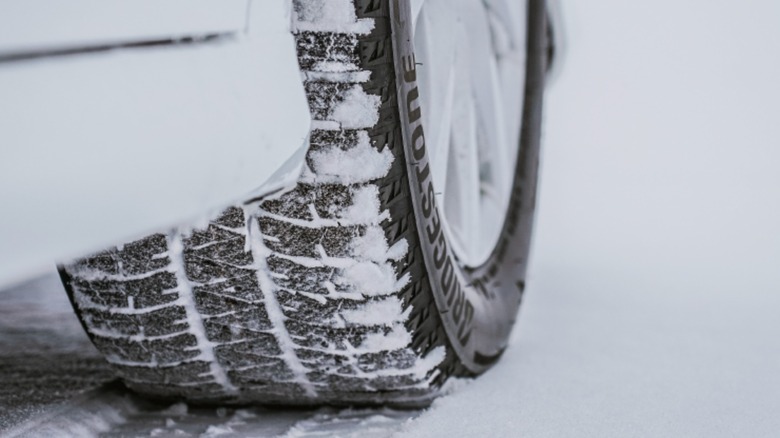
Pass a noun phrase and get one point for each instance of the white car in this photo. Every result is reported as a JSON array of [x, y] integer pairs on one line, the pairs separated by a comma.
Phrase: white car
[[321, 201]]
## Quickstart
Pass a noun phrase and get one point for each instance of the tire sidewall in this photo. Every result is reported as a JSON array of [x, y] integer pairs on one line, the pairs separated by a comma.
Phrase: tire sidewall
[[477, 306]]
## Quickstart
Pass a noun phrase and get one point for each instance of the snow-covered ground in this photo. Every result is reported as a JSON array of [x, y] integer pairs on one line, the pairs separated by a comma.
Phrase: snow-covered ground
[[652, 306], [653, 301]]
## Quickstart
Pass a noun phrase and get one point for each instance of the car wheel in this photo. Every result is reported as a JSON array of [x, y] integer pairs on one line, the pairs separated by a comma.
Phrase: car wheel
[[398, 259]]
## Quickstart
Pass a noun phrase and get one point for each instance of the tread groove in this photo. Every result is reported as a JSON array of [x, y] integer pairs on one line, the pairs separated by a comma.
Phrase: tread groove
[[187, 299], [259, 254]]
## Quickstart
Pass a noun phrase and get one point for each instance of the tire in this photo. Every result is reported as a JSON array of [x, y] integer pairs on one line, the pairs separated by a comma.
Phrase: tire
[[332, 291]]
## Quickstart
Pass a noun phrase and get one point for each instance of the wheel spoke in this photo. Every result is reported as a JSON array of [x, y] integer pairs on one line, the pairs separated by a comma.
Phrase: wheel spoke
[[442, 139], [463, 176], [494, 146], [437, 76], [471, 57], [509, 43], [416, 6], [462, 194], [510, 16]]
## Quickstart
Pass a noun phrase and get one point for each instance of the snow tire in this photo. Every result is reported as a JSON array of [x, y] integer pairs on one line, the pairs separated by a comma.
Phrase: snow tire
[[335, 291]]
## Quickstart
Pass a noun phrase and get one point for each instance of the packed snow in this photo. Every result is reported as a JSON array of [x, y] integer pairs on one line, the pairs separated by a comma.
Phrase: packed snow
[[360, 164], [358, 110], [330, 16]]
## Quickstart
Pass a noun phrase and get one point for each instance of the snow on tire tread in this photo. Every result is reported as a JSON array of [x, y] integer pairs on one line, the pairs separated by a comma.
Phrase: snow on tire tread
[[293, 299]]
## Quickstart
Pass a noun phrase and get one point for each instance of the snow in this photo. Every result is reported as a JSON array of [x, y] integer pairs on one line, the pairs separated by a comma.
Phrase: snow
[[214, 431], [88, 415], [373, 246], [362, 163], [176, 409], [376, 313], [328, 67], [365, 207], [349, 424], [372, 279], [337, 72], [330, 15], [651, 306], [358, 110], [398, 337]]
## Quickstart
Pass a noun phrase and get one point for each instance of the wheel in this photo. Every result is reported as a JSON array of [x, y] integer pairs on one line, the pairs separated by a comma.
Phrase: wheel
[[395, 263]]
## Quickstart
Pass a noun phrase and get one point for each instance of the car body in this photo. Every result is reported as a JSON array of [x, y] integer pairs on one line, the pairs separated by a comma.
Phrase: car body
[[118, 118]]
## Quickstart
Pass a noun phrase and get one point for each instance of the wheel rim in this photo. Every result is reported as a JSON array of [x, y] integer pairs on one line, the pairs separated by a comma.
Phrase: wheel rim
[[471, 73]]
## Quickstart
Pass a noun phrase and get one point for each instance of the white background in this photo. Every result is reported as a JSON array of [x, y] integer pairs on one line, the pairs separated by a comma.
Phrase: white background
[[653, 306]]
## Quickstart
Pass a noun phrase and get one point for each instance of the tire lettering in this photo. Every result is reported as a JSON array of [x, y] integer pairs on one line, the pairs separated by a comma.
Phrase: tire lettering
[[428, 198], [437, 261], [427, 213], [459, 304], [410, 68], [447, 277], [418, 152], [414, 113], [444, 272], [469, 313]]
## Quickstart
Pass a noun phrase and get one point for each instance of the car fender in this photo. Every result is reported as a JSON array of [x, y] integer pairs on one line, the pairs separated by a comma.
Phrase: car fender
[[108, 132]]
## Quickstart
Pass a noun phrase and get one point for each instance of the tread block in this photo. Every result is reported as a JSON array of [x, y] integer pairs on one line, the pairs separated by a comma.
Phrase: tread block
[[298, 241], [158, 351], [160, 322]]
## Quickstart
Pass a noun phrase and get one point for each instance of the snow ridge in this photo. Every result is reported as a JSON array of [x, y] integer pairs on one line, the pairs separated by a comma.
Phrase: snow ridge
[[194, 319], [272, 306], [329, 16]]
